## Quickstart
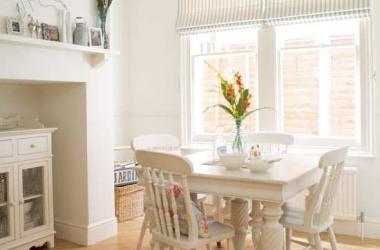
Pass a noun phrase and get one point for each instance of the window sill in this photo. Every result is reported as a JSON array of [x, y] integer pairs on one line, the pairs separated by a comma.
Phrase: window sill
[[295, 149], [318, 150]]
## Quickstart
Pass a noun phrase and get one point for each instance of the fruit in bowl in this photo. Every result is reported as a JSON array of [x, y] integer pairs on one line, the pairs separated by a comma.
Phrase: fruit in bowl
[[232, 161]]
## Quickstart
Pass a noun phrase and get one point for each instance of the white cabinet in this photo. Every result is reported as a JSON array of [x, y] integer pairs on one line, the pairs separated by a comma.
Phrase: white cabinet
[[26, 200]]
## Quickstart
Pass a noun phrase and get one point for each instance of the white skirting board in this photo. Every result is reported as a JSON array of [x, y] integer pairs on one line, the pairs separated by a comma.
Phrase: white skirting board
[[369, 230], [86, 235]]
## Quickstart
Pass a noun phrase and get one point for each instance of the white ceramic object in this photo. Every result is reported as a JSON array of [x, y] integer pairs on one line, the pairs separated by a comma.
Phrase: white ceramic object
[[258, 165], [233, 161]]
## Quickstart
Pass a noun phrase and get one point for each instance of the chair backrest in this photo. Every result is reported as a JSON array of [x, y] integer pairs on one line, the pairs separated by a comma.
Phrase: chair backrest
[[275, 142], [161, 172], [158, 142], [323, 196]]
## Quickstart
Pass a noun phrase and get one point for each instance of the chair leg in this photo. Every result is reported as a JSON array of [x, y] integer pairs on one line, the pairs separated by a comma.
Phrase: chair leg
[[142, 232], [332, 239], [288, 232], [230, 244], [318, 242]]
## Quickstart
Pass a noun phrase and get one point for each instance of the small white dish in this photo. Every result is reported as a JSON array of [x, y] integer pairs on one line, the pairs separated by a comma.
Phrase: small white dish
[[233, 161], [259, 165]]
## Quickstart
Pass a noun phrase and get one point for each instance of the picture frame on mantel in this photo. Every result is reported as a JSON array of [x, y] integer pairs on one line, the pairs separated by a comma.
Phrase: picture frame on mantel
[[95, 37], [15, 26]]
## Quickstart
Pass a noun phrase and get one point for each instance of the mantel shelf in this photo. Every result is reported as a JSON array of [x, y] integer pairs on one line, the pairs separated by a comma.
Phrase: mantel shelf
[[98, 54]]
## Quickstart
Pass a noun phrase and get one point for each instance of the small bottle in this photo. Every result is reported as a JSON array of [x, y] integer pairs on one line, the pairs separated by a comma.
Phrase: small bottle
[[220, 144]]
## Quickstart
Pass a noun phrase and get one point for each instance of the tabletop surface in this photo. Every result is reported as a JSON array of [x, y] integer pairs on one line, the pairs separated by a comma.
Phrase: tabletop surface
[[289, 168]]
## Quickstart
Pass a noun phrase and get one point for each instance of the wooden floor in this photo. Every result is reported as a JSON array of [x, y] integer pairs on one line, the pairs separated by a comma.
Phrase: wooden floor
[[128, 235]]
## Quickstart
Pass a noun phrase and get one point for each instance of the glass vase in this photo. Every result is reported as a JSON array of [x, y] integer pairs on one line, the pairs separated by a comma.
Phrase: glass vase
[[102, 17], [238, 143]]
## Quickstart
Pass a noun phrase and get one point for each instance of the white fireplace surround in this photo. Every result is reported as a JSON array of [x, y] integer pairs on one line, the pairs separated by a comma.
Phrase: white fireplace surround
[[76, 98]]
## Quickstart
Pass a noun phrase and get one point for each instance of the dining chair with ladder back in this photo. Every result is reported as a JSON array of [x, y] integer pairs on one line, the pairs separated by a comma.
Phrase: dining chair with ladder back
[[172, 215], [269, 143], [165, 143], [317, 216]]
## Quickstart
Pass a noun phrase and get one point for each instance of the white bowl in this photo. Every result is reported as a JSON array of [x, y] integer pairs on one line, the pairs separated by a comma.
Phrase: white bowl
[[233, 161], [258, 165]]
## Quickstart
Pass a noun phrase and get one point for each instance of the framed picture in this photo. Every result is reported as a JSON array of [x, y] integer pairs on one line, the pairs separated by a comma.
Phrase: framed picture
[[95, 37], [15, 26], [50, 32]]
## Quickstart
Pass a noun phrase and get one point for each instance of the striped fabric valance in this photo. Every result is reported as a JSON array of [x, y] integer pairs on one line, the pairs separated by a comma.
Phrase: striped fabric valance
[[204, 15]]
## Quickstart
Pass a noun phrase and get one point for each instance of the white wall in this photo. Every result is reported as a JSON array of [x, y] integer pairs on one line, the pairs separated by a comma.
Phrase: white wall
[[150, 102], [83, 170], [147, 99]]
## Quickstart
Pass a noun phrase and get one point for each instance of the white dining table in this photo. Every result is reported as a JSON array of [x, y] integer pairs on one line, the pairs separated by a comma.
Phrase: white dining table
[[288, 177]]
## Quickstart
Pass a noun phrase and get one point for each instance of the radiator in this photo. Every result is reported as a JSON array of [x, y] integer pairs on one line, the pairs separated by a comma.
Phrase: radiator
[[345, 205]]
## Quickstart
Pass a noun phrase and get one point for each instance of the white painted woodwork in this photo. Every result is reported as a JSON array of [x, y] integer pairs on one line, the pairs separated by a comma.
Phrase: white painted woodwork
[[317, 216], [288, 177], [160, 172], [158, 142], [345, 204], [273, 143], [97, 54], [24, 149]]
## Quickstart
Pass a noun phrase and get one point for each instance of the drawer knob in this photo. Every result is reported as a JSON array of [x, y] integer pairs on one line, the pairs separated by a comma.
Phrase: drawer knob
[[32, 146]]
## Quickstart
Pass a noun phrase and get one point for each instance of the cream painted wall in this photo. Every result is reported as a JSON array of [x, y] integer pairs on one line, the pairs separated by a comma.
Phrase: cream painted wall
[[150, 97], [147, 98], [84, 195], [18, 99]]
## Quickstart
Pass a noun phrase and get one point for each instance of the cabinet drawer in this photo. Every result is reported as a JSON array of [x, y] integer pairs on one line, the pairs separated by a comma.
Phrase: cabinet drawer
[[32, 145], [6, 148]]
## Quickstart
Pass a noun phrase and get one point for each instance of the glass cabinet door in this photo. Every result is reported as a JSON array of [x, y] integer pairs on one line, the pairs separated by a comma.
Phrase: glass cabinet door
[[33, 202], [6, 205]]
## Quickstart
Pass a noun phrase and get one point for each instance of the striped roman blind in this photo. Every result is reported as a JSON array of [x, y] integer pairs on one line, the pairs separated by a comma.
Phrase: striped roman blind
[[206, 15]]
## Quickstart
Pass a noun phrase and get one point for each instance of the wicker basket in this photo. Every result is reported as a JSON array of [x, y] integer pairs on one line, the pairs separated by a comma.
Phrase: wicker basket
[[129, 202]]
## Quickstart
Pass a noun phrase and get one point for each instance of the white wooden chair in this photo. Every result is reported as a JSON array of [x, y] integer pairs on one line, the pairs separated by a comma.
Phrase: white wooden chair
[[272, 142], [269, 142], [317, 216], [160, 172], [165, 143]]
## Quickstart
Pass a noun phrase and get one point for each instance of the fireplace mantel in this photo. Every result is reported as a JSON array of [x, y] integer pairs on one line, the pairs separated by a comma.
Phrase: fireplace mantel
[[98, 55]]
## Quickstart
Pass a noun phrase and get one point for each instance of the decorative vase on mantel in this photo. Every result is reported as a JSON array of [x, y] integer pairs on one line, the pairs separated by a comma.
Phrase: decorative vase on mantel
[[102, 16], [103, 8]]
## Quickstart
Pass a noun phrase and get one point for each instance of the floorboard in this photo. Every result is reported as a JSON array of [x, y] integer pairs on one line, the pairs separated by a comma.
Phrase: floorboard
[[129, 231]]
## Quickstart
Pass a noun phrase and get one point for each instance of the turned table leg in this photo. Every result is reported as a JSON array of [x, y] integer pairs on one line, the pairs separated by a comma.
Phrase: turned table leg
[[239, 220], [272, 237], [256, 223]]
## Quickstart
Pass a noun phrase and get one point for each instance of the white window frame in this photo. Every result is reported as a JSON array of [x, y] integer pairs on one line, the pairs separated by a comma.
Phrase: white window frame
[[269, 82]]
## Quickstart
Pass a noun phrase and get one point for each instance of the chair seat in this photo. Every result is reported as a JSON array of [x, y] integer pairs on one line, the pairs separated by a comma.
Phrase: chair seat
[[294, 218], [217, 232]]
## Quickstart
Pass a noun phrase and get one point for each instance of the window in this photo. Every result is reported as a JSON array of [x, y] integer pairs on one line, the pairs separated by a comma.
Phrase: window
[[320, 87], [319, 72], [228, 52]]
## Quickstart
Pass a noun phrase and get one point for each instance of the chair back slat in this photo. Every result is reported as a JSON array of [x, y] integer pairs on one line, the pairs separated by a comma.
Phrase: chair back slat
[[174, 207], [152, 199], [162, 172], [321, 202], [165, 204], [157, 184], [272, 142]]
